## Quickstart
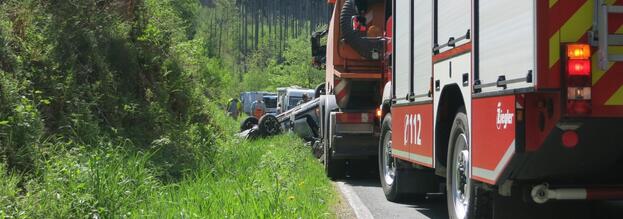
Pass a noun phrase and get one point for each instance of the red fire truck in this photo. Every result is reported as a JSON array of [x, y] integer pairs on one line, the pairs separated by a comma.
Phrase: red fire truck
[[356, 71], [497, 97]]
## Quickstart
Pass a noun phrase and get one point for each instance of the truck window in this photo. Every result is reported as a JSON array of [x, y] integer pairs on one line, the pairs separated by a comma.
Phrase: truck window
[[271, 102], [292, 101]]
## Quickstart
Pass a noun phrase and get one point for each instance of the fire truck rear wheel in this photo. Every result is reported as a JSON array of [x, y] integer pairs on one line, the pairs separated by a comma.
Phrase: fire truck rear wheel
[[333, 168], [464, 199]]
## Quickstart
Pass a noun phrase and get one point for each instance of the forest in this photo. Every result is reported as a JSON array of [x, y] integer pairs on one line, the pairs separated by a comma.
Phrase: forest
[[113, 108], [268, 39]]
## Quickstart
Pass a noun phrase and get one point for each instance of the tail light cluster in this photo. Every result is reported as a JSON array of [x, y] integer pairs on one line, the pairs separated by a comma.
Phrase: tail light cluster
[[578, 79]]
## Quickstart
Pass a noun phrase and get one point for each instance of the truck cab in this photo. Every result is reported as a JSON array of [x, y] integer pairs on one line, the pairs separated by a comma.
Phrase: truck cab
[[289, 97], [248, 98]]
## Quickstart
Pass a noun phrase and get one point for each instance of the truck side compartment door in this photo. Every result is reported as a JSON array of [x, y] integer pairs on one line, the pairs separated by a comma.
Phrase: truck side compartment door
[[412, 112], [402, 71], [452, 58]]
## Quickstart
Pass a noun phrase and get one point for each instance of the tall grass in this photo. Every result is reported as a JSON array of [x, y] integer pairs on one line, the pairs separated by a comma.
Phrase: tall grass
[[271, 178], [76, 181]]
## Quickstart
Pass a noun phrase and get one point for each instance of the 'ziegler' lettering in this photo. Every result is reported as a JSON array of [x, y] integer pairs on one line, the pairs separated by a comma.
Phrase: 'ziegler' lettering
[[413, 129], [503, 118]]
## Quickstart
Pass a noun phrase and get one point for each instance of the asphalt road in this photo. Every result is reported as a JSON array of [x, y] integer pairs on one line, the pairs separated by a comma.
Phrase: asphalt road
[[362, 180], [362, 188], [371, 195]]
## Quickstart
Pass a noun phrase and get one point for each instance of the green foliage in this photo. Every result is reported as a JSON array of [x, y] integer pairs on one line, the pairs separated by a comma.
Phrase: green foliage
[[129, 70], [280, 58], [20, 124], [296, 69], [107, 107], [269, 73], [88, 72]]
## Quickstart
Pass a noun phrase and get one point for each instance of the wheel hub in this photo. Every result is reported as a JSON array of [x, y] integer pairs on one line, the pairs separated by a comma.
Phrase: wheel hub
[[389, 164], [461, 183], [271, 126]]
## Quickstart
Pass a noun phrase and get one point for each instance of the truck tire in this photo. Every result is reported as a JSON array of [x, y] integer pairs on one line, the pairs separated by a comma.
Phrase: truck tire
[[269, 125], [333, 168], [248, 123], [464, 199], [398, 178], [388, 165]]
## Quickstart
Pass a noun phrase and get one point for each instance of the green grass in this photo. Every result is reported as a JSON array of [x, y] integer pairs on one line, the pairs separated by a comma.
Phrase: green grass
[[271, 178], [79, 183], [225, 177], [268, 178]]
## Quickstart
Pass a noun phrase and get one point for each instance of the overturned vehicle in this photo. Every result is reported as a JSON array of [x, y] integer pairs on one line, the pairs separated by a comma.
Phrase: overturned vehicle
[[302, 120]]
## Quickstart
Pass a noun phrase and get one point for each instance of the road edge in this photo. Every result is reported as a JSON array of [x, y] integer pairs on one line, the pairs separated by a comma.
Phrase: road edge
[[355, 203]]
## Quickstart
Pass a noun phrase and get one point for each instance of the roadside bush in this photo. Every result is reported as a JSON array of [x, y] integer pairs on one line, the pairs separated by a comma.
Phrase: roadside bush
[[20, 123], [130, 71]]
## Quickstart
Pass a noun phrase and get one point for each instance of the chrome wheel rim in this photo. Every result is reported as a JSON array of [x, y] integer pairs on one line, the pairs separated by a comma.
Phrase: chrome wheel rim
[[389, 164], [460, 177]]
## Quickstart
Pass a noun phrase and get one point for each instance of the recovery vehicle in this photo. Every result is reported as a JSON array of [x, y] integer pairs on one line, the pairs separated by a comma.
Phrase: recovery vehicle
[[356, 71]]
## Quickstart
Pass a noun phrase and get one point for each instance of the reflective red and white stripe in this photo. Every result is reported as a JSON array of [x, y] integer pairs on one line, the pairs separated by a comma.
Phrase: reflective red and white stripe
[[342, 90], [354, 117]]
